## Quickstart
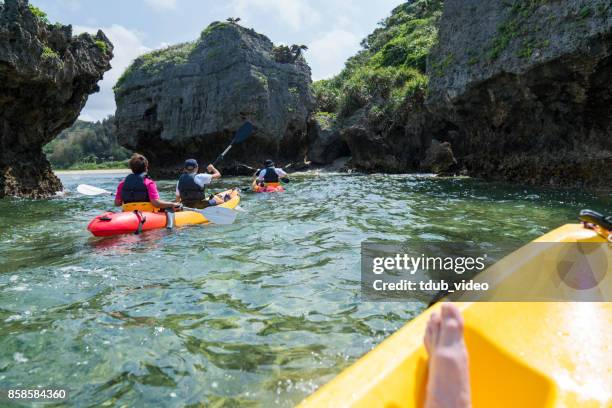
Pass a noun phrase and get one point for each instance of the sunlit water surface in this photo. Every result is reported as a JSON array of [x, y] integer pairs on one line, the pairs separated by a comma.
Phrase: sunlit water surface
[[258, 313]]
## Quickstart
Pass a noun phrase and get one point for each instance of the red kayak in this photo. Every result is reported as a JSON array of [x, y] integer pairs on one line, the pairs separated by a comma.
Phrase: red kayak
[[131, 222]]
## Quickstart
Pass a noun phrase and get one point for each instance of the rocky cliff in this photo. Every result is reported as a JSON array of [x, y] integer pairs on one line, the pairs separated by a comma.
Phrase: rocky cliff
[[188, 100], [377, 101], [46, 75], [526, 87]]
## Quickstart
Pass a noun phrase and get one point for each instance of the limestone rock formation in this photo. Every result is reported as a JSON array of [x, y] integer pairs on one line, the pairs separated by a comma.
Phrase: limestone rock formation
[[526, 88], [439, 158], [326, 143], [188, 99], [46, 75], [393, 146]]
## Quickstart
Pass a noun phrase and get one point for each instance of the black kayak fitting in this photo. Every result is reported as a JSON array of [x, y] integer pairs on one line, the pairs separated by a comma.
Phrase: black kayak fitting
[[595, 218]]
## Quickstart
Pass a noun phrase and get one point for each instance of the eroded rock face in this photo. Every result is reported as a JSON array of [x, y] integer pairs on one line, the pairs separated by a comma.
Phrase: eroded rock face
[[527, 87], [377, 146], [326, 143], [439, 158], [46, 75], [189, 99]]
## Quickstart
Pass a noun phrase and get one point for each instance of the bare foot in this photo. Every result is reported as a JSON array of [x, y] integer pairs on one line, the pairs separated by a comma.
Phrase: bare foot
[[448, 382]]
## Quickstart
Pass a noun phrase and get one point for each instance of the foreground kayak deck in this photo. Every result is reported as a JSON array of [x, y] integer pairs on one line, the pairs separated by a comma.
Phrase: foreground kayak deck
[[127, 222], [522, 354]]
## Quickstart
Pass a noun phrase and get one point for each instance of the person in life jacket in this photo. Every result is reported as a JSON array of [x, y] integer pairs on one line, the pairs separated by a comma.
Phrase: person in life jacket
[[191, 187], [269, 174], [138, 187]]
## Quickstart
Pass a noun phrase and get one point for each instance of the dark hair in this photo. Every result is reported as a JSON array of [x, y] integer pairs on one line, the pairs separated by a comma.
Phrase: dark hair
[[138, 163]]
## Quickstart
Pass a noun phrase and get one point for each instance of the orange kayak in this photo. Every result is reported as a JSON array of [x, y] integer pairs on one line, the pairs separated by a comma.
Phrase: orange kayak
[[267, 188]]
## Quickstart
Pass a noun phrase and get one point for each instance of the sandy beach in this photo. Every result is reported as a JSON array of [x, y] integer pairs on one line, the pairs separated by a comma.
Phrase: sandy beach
[[101, 171]]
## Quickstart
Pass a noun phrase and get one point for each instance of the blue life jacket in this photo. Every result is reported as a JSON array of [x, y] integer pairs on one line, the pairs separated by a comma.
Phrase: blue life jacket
[[190, 190], [270, 175], [134, 189]]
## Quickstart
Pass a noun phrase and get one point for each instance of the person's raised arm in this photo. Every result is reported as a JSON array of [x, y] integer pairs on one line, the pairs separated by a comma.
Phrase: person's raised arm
[[214, 173]]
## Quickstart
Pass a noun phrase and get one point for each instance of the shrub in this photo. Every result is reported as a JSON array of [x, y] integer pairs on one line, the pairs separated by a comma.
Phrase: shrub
[[327, 94], [48, 53], [102, 46], [390, 69], [38, 13]]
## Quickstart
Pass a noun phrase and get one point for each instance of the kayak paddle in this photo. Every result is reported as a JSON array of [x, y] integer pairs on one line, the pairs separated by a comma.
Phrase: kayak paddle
[[216, 215], [88, 190], [241, 135]]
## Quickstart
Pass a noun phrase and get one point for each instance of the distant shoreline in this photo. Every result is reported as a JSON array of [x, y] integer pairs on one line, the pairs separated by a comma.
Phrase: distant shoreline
[[99, 171]]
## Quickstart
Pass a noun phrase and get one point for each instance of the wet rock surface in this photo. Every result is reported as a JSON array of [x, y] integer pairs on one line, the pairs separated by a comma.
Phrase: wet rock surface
[[46, 75]]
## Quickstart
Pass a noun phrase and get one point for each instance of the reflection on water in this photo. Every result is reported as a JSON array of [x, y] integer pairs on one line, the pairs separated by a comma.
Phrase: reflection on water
[[257, 313]]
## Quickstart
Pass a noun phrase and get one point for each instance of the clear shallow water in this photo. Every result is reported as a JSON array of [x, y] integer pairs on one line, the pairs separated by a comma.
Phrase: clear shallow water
[[258, 313]]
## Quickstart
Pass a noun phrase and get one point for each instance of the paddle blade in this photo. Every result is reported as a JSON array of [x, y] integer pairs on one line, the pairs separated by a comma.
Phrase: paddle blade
[[219, 215], [243, 133], [88, 190]]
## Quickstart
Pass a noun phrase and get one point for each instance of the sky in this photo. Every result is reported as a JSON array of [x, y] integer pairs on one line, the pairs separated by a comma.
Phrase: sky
[[332, 29]]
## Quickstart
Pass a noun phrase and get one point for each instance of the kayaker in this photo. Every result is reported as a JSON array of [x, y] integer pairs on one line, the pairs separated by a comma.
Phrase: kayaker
[[191, 187], [269, 174], [138, 187], [448, 379]]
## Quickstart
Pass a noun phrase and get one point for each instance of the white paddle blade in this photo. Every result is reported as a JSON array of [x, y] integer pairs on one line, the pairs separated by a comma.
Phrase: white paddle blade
[[219, 215], [88, 190]]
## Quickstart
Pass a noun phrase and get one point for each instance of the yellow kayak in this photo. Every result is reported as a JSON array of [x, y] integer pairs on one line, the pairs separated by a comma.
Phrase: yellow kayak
[[522, 354]]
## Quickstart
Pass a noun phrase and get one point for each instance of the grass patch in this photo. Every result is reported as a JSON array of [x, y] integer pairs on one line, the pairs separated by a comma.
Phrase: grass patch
[[156, 61]]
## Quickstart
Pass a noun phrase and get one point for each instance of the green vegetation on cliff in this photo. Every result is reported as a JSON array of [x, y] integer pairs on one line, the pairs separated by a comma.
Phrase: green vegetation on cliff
[[41, 15], [156, 61], [389, 69], [87, 145]]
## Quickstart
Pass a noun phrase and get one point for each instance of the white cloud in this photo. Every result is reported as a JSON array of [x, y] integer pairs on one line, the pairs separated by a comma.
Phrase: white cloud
[[328, 53], [294, 13], [128, 45], [162, 5]]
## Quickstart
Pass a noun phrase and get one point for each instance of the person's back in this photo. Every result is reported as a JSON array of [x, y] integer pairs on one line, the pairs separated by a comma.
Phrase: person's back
[[269, 175], [137, 191], [134, 188], [191, 186]]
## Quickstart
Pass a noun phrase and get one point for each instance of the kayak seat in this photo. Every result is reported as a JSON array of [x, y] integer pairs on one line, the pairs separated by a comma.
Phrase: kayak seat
[[500, 379], [140, 206]]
